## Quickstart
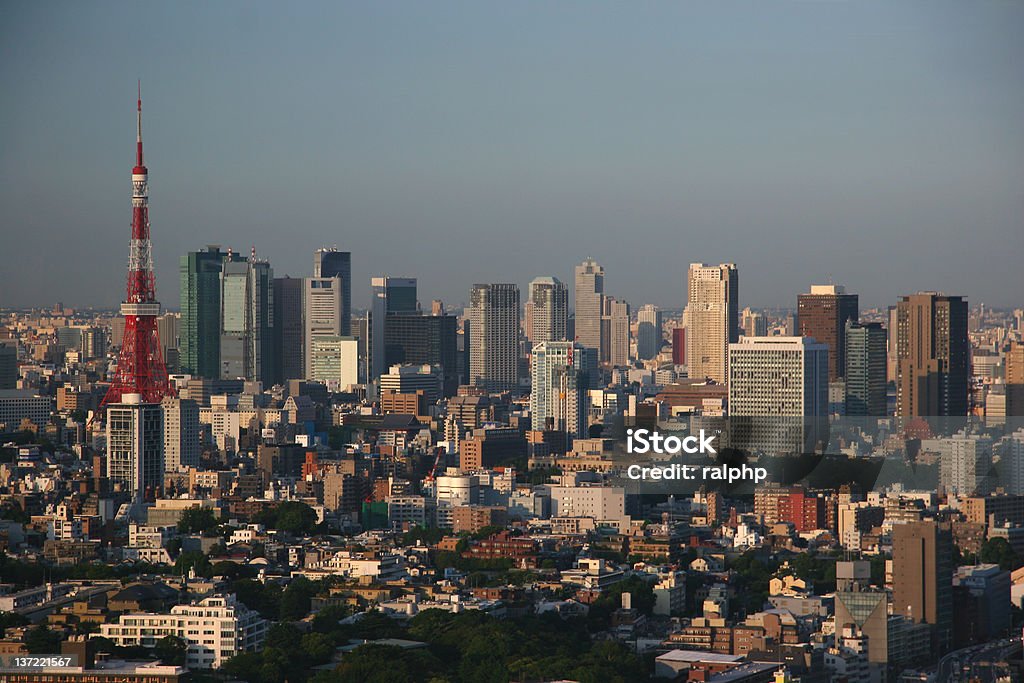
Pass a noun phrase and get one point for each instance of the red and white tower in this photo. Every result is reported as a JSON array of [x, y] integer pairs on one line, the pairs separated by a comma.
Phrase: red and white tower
[[140, 367]]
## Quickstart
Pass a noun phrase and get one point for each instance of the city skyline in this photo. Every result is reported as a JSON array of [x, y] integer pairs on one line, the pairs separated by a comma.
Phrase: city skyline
[[814, 153]]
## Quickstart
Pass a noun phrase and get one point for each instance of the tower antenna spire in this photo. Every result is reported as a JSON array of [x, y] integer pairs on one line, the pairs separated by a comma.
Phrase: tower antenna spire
[[138, 135]]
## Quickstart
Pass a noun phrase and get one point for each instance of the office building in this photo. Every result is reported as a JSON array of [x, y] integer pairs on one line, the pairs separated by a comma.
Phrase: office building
[[822, 314], [17, 405], [981, 604], [932, 355], [8, 365], [415, 339], [753, 323], [965, 461], [408, 379], [494, 337], [547, 310], [331, 263], [778, 394], [390, 295], [1015, 380], [559, 384], [290, 328], [923, 578], [589, 296], [865, 369], [323, 303], [615, 332], [648, 332], [135, 445], [247, 321], [712, 319], [199, 345], [334, 362], [181, 434]]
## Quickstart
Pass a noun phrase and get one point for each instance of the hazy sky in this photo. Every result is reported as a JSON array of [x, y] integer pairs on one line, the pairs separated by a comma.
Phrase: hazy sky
[[881, 144]]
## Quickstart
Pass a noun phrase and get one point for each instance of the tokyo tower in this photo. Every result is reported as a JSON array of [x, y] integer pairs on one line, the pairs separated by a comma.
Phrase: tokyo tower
[[140, 367]]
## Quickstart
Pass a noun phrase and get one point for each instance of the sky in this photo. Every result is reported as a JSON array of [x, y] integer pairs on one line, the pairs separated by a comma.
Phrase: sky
[[878, 145]]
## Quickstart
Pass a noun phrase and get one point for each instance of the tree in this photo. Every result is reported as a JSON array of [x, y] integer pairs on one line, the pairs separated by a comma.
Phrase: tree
[[999, 551], [41, 640], [193, 559], [295, 601], [197, 520], [171, 650]]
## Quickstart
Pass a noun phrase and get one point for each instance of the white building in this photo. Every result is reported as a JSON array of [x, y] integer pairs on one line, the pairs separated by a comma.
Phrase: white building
[[781, 384], [334, 361], [558, 394], [408, 379], [181, 434], [604, 504], [407, 510], [964, 462], [135, 444], [493, 342], [19, 404], [215, 629], [712, 319]]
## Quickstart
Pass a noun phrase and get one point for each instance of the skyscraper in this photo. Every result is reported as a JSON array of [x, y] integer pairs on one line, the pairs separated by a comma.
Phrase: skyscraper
[[494, 337], [822, 314], [413, 338], [588, 305], [1015, 380], [334, 361], [135, 444], [330, 263], [547, 310], [865, 369], [932, 355], [615, 332], [323, 305], [8, 364], [712, 319], [390, 295], [200, 310], [181, 433], [753, 323], [247, 320], [559, 386], [922, 577], [290, 328], [648, 332], [778, 394]]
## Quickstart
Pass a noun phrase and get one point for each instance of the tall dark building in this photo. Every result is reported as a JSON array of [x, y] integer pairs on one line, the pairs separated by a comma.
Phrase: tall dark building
[[200, 310], [922, 575], [391, 295], [289, 341], [932, 352], [334, 263], [493, 317], [865, 369], [822, 314], [8, 365], [421, 339]]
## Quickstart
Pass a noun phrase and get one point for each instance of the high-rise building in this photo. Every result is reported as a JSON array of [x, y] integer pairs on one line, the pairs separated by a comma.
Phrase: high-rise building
[[615, 332], [494, 337], [290, 328], [932, 355], [922, 575], [778, 394], [409, 379], [547, 310], [865, 369], [712, 319], [334, 361], [199, 345], [390, 295], [965, 461], [8, 365], [323, 312], [559, 383], [247, 320], [589, 297], [648, 332], [679, 346], [135, 444], [753, 323], [412, 338], [168, 327], [822, 314], [181, 434], [331, 263], [1015, 380]]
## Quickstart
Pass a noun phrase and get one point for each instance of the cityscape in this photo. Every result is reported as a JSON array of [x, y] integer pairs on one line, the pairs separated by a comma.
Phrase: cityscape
[[338, 475]]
